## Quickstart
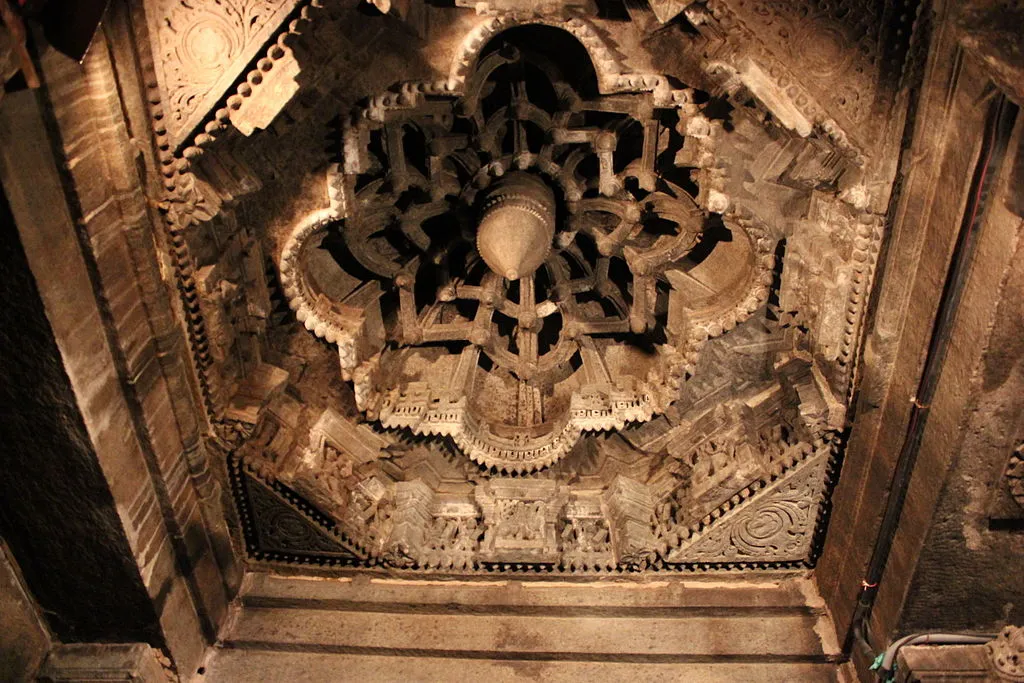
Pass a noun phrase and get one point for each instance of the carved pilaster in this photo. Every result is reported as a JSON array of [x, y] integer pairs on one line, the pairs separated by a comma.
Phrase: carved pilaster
[[630, 507], [410, 523]]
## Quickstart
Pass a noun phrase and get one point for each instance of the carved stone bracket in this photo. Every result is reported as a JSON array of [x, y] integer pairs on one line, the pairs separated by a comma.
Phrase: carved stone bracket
[[1015, 475], [1006, 501]]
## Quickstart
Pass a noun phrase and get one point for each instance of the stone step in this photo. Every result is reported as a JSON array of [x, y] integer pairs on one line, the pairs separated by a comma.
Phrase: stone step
[[251, 666], [793, 592], [580, 637], [296, 629]]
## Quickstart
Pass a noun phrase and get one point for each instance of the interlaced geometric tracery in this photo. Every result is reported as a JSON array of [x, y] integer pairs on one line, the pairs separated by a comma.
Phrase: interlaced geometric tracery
[[523, 260]]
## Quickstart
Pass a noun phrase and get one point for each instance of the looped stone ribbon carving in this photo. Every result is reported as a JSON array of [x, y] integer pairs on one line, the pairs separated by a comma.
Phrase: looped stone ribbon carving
[[524, 262]]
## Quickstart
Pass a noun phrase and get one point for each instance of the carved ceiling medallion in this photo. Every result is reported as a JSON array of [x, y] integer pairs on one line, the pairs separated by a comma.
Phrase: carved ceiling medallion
[[523, 260], [587, 319]]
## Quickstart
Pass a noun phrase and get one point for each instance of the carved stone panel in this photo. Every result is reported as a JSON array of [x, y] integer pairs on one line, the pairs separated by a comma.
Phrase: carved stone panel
[[520, 519], [200, 48], [280, 529], [772, 523]]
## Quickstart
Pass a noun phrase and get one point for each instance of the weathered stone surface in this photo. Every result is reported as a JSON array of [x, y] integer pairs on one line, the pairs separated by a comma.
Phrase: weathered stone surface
[[961, 523], [668, 630], [943, 663], [25, 638], [948, 568], [84, 663], [231, 665], [59, 515]]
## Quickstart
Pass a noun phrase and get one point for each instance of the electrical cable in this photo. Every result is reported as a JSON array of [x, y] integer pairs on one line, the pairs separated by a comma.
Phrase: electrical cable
[[889, 657], [999, 124]]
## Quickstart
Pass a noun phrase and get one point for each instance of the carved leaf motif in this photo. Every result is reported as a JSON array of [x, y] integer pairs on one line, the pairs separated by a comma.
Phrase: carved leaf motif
[[201, 47]]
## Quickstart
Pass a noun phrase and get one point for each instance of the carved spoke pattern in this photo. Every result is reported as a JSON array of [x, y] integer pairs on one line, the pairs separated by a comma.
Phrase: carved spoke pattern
[[527, 228], [415, 225]]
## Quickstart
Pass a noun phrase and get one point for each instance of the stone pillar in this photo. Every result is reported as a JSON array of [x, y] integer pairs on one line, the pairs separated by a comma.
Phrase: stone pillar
[[109, 479]]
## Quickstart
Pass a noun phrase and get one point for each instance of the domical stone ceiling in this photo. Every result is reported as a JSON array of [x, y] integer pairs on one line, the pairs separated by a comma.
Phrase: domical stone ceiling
[[534, 268], [541, 289]]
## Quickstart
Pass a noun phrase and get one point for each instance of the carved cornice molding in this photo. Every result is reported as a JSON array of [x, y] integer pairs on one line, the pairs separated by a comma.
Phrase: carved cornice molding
[[541, 524]]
